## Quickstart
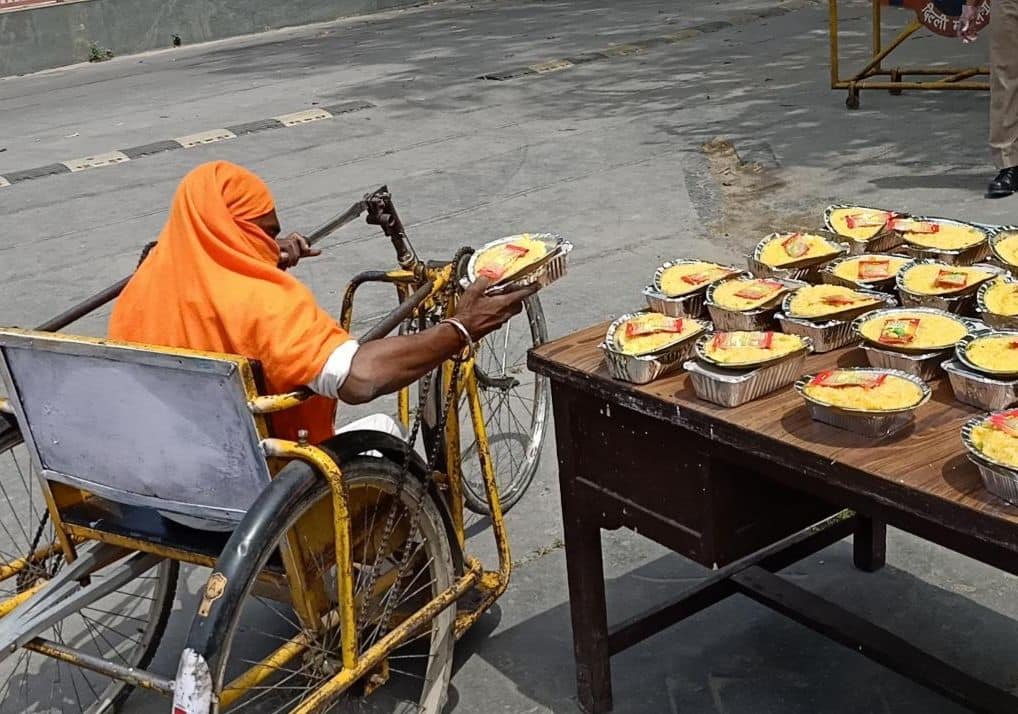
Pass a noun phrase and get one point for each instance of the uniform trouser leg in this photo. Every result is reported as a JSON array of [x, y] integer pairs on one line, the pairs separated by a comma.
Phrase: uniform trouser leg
[[1004, 83]]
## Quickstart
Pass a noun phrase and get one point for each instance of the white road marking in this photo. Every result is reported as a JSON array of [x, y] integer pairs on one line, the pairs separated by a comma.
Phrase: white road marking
[[91, 162], [205, 137], [303, 117]]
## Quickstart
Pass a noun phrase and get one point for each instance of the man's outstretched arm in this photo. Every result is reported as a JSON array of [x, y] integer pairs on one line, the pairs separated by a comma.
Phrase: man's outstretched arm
[[389, 364]]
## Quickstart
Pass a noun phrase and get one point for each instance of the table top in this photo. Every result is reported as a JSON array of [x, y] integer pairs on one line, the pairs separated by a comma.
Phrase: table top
[[924, 468]]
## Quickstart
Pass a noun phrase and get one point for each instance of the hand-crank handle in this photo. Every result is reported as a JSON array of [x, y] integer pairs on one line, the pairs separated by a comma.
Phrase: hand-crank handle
[[337, 222], [382, 213]]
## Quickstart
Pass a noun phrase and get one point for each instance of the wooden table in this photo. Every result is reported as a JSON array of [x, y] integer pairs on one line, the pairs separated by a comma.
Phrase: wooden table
[[743, 489]]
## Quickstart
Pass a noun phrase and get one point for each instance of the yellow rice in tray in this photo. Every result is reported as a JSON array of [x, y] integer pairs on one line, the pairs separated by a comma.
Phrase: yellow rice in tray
[[947, 236], [1007, 247], [932, 332], [994, 353], [502, 261], [787, 248], [938, 278], [996, 444], [744, 294], [1002, 298], [858, 223], [652, 332], [870, 268], [820, 300], [780, 344], [685, 278], [892, 394]]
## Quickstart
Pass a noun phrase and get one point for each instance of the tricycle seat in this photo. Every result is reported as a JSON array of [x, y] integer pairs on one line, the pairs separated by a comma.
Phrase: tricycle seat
[[144, 426]]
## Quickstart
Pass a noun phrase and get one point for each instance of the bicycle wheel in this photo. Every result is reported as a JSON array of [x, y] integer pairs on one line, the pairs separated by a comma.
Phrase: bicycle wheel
[[419, 670], [515, 405], [124, 627]]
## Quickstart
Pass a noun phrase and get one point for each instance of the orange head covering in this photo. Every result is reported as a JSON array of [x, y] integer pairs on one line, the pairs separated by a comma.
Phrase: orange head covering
[[211, 283]]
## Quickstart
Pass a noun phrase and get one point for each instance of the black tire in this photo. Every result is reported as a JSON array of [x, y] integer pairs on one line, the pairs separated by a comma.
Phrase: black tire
[[295, 490]]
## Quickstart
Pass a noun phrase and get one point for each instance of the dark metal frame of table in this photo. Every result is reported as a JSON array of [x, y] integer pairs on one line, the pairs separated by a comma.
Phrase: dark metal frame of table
[[734, 508]]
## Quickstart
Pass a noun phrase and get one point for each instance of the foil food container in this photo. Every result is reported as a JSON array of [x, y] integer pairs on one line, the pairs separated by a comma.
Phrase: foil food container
[[970, 325], [980, 390], [699, 349], [997, 234], [883, 241], [825, 336], [925, 366], [847, 315], [867, 423], [807, 270], [828, 276], [994, 320], [748, 320], [542, 273], [999, 479], [641, 369], [961, 352], [690, 304], [965, 256], [959, 303], [730, 388]]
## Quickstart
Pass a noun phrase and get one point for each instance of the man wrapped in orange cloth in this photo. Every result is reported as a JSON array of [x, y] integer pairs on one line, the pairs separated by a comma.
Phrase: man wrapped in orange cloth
[[216, 281]]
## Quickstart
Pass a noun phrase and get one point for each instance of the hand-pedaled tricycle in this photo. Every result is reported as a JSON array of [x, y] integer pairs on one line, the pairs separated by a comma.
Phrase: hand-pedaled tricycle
[[340, 581]]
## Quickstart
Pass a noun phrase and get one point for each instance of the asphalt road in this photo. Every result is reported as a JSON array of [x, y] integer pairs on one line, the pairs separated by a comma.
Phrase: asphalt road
[[607, 152]]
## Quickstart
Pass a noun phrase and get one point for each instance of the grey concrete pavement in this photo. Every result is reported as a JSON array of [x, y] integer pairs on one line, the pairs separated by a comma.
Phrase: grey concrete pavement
[[608, 153]]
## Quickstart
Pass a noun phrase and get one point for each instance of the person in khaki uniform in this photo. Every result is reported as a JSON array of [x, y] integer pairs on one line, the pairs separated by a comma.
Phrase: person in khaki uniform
[[1003, 91]]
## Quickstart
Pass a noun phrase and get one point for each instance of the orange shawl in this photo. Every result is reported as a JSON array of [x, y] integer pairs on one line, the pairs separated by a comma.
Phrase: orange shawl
[[211, 283]]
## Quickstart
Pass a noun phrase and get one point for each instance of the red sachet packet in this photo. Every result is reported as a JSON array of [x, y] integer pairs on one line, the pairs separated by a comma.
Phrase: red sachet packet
[[1006, 422], [643, 330], [910, 226], [705, 276], [899, 331], [869, 219], [848, 378], [508, 255], [954, 279], [796, 245], [696, 278], [759, 289], [874, 269], [838, 300], [731, 340]]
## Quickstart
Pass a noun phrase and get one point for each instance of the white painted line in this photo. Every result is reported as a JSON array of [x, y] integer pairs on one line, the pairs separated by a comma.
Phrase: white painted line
[[303, 117], [4, 182], [204, 137], [91, 162]]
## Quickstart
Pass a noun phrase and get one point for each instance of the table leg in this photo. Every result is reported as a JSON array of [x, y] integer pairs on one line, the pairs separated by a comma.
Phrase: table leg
[[869, 544], [585, 569]]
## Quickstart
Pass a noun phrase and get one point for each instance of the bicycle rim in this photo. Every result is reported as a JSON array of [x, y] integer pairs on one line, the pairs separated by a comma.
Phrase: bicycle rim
[[419, 670], [515, 404], [124, 627]]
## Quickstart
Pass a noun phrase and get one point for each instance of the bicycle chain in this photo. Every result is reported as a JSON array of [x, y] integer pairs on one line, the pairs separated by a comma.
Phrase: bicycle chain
[[429, 476]]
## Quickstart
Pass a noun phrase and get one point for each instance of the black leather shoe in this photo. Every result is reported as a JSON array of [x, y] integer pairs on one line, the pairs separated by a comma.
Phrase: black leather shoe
[[1005, 184]]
